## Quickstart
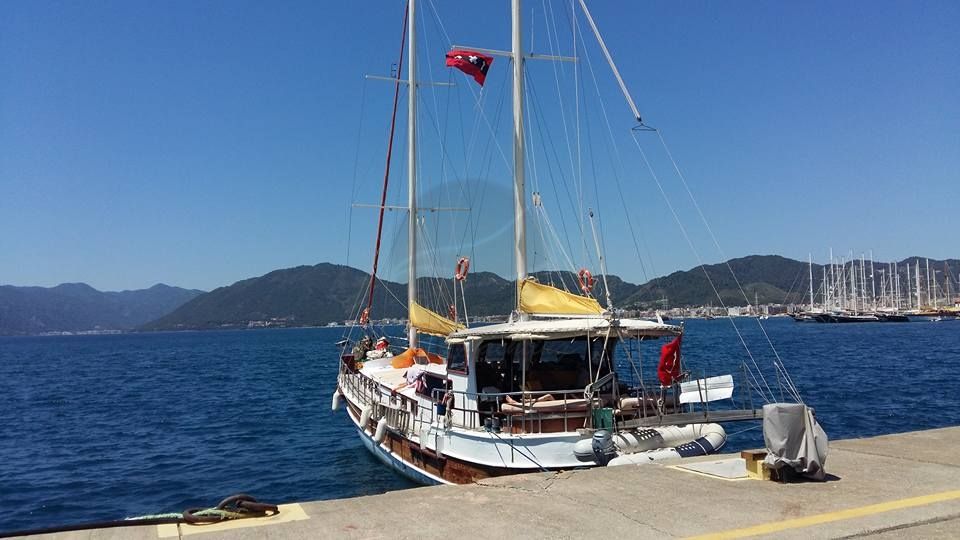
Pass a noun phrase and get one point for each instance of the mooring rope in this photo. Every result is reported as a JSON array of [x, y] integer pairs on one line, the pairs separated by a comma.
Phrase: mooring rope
[[236, 506]]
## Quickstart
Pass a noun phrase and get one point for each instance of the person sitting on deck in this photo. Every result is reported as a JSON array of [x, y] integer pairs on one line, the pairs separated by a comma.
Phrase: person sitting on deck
[[380, 350], [362, 347], [413, 373]]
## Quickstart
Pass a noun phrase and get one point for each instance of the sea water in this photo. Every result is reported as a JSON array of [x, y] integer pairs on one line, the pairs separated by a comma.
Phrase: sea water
[[106, 427]]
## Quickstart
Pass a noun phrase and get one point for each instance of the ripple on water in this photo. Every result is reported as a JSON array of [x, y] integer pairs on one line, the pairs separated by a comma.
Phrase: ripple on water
[[103, 427]]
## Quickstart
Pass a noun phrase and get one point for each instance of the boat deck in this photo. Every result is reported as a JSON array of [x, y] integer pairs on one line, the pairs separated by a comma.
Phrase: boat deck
[[387, 376], [904, 485]]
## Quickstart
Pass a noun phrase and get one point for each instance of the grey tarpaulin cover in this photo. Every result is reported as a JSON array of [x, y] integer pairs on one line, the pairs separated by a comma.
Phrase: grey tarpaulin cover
[[794, 439]]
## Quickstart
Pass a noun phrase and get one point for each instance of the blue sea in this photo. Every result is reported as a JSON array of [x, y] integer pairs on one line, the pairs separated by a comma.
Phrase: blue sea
[[106, 427]]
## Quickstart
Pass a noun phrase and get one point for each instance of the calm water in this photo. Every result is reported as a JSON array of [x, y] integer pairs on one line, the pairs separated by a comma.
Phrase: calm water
[[104, 427]]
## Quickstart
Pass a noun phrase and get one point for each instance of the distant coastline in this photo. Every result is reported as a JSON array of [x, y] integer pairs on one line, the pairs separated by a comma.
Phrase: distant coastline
[[302, 297]]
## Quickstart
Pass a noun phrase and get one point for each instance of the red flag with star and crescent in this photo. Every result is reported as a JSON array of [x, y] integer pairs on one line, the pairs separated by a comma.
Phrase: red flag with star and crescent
[[470, 62], [669, 368]]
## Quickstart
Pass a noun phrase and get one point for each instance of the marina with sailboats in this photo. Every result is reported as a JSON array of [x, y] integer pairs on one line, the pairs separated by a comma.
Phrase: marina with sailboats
[[851, 292]]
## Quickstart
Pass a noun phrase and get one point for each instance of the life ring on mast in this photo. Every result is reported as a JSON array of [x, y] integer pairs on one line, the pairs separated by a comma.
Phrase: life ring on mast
[[463, 267], [586, 280], [365, 316]]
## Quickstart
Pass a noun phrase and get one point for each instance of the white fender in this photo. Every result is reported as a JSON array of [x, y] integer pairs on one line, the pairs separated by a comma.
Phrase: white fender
[[365, 417], [335, 404], [381, 431]]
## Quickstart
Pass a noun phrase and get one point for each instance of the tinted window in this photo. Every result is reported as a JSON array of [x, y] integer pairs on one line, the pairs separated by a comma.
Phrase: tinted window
[[568, 353], [493, 352], [457, 358]]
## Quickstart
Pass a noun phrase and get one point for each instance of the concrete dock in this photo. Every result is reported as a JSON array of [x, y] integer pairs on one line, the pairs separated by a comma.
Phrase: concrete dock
[[904, 485]]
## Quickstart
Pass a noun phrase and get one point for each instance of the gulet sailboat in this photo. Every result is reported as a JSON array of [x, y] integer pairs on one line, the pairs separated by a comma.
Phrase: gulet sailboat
[[541, 391]]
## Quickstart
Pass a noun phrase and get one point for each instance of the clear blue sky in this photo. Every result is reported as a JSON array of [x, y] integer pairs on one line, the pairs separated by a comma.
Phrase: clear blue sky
[[199, 143]]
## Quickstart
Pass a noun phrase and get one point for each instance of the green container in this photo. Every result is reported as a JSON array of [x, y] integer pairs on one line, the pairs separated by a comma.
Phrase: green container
[[603, 418]]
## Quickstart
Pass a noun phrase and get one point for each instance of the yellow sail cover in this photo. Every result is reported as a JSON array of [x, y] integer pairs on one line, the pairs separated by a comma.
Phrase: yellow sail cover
[[539, 298], [428, 322]]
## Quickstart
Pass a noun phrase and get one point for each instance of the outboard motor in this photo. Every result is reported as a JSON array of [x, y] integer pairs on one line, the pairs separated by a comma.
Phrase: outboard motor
[[603, 447], [599, 449]]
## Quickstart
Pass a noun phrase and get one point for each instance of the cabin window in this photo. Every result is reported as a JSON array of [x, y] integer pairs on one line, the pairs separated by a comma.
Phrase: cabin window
[[559, 364], [493, 352], [494, 366], [457, 358], [568, 353], [566, 364]]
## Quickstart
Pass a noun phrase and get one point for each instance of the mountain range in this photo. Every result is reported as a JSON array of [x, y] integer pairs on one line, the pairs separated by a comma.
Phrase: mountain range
[[317, 295], [324, 293], [78, 307]]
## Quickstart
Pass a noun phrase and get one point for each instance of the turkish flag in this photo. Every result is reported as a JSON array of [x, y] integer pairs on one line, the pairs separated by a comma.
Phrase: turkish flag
[[669, 368], [471, 63]]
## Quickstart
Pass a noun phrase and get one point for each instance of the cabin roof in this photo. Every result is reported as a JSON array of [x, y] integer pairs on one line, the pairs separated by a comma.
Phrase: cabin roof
[[567, 327]]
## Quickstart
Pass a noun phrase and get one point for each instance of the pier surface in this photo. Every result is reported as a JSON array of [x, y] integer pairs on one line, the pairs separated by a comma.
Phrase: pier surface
[[893, 486]]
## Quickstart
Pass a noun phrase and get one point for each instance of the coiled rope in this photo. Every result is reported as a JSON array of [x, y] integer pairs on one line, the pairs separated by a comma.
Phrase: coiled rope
[[236, 506]]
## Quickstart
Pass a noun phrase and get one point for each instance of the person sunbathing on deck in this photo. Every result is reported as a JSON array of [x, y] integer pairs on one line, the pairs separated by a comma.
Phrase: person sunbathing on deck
[[528, 399], [413, 373]]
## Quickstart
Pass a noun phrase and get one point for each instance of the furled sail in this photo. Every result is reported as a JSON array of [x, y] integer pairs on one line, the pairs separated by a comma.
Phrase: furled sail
[[539, 298], [428, 322]]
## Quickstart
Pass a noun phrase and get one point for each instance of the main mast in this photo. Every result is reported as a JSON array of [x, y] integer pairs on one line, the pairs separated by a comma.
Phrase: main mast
[[412, 166], [917, 273], [519, 192]]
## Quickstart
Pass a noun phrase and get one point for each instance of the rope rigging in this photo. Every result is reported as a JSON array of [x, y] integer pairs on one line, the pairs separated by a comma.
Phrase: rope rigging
[[588, 150], [386, 174]]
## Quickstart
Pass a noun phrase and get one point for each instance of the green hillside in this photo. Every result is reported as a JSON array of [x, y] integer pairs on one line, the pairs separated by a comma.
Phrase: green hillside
[[323, 293]]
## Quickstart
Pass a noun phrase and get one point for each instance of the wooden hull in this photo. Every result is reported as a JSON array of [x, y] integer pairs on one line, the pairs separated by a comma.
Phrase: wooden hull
[[422, 465]]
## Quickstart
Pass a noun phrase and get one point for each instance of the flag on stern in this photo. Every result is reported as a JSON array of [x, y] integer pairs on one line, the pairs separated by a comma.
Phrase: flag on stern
[[470, 62], [669, 368]]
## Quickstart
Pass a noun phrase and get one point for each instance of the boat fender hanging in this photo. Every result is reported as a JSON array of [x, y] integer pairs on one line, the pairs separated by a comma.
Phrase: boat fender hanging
[[585, 278], [335, 404], [365, 417], [381, 431], [463, 267]]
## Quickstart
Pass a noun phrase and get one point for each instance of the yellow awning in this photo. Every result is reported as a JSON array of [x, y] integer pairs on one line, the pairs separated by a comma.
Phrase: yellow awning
[[539, 298], [428, 322]]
